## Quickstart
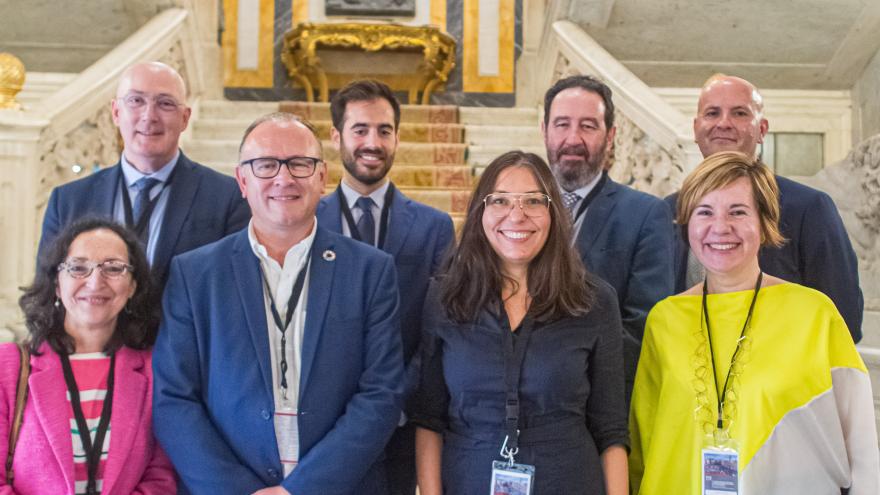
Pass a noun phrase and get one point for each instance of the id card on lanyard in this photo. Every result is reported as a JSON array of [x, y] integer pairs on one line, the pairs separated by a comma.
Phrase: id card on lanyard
[[508, 477], [720, 471]]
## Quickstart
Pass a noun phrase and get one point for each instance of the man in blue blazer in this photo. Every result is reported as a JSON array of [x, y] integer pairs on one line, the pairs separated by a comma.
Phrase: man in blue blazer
[[278, 368], [818, 252], [183, 205], [366, 119], [622, 235]]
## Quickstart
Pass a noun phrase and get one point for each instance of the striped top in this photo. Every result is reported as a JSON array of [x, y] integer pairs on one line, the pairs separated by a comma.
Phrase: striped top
[[90, 370]]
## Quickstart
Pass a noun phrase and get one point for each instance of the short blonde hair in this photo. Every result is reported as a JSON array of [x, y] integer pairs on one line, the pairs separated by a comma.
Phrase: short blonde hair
[[718, 171]]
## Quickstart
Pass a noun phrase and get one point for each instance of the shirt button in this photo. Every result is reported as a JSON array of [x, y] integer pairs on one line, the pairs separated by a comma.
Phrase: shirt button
[[265, 414]]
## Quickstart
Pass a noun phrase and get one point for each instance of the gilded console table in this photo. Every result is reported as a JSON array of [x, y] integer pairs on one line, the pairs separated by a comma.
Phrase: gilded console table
[[306, 68]]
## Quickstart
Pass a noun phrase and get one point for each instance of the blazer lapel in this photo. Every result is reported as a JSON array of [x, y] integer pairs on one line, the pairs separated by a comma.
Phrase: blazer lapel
[[105, 191], [47, 388], [320, 286], [129, 396], [184, 184], [330, 213], [400, 221], [249, 284], [595, 218]]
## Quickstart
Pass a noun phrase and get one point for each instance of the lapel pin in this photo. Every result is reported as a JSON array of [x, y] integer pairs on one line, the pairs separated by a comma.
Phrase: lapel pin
[[329, 255]]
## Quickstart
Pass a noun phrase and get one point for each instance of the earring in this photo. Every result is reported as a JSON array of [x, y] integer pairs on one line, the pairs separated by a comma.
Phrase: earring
[[57, 303]]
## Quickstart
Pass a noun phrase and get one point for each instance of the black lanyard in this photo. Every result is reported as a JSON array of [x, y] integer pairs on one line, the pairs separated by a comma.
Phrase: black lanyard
[[721, 397], [92, 449], [514, 349], [291, 307], [591, 196], [141, 226], [383, 218]]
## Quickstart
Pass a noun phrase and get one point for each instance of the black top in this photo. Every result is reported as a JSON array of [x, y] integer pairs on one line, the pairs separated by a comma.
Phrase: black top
[[571, 396]]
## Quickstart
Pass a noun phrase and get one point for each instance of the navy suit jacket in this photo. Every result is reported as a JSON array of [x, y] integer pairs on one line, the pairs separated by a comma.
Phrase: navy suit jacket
[[417, 237], [626, 241], [817, 253], [203, 206], [213, 401]]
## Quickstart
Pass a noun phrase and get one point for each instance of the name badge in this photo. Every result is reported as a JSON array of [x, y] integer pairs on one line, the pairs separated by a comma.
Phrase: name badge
[[511, 479], [720, 471]]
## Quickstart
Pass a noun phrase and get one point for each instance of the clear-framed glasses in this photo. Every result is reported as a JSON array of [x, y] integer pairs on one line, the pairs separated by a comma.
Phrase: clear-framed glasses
[[532, 204], [84, 268], [300, 167], [136, 101]]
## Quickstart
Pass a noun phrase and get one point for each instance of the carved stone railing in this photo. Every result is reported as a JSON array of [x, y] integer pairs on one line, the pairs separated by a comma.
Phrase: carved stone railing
[[69, 133], [654, 147]]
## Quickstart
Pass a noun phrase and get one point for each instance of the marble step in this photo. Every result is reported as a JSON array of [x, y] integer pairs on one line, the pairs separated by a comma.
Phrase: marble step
[[39, 85], [226, 151], [239, 110], [436, 114], [233, 129], [504, 135], [420, 176], [479, 156], [515, 116]]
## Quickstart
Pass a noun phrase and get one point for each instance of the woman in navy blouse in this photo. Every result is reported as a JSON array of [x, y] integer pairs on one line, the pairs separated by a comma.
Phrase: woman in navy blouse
[[521, 352]]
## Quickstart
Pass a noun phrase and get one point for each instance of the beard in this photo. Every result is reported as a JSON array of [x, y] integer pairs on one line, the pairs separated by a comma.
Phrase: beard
[[364, 175], [572, 174]]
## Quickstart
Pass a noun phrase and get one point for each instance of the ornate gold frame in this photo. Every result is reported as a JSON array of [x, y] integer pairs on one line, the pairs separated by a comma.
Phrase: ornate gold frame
[[304, 66]]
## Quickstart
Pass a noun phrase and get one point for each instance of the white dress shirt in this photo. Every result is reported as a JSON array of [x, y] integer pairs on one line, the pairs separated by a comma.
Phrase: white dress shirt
[[280, 280]]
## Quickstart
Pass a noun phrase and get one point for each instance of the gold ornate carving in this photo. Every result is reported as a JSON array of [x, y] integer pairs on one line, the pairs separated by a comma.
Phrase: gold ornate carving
[[12, 76], [305, 67]]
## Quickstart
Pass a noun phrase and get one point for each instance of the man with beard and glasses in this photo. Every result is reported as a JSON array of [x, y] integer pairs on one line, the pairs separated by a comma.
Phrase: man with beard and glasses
[[622, 235], [366, 206], [818, 252]]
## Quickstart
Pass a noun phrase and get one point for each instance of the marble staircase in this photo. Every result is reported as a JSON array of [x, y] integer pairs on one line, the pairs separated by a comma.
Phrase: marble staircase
[[440, 150]]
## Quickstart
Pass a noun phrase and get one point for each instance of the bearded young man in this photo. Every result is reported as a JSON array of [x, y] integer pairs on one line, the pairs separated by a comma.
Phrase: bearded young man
[[366, 206], [622, 235]]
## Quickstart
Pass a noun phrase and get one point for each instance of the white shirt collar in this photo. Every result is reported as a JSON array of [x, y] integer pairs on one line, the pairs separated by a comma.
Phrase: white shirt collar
[[295, 257], [132, 174], [378, 196]]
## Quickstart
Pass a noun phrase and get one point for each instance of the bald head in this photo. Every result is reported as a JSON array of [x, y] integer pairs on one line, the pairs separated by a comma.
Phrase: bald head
[[151, 74], [730, 116]]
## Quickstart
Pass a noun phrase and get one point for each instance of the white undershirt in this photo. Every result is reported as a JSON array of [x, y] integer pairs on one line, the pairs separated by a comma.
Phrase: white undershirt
[[281, 280]]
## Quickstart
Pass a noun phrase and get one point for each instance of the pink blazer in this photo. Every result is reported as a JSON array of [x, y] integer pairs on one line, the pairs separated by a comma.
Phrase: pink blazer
[[44, 455]]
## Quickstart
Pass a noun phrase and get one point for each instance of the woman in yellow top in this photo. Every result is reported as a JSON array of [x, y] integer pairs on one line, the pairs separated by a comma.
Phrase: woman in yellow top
[[747, 383]]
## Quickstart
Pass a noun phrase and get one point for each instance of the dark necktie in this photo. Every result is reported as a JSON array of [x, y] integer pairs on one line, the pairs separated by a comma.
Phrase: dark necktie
[[569, 201], [366, 225], [142, 187]]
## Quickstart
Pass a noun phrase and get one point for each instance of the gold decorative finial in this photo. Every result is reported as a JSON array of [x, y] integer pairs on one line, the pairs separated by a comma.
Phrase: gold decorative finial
[[12, 75]]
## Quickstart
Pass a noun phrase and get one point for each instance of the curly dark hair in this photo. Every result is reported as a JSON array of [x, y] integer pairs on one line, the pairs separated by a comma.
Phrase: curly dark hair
[[472, 279], [136, 326]]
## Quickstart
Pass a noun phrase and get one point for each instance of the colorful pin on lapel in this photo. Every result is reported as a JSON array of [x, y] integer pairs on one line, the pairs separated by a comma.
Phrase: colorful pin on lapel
[[329, 255]]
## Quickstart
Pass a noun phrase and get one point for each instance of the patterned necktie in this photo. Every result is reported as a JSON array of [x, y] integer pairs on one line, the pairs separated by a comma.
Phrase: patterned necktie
[[142, 187], [569, 200], [366, 225]]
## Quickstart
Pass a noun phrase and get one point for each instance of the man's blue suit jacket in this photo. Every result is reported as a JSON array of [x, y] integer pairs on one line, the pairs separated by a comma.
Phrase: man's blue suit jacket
[[213, 404], [418, 237], [203, 206], [625, 239], [817, 253]]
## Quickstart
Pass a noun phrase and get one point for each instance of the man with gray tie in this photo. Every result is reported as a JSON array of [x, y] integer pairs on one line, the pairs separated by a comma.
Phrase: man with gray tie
[[622, 235], [172, 203]]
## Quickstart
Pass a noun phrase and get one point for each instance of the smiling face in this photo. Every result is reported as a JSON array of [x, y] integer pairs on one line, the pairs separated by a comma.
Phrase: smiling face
[[724, 231], [282, 206], [93, 303], [367, 142], [150, 126], [729, 118], [515, 237], [576, 138]]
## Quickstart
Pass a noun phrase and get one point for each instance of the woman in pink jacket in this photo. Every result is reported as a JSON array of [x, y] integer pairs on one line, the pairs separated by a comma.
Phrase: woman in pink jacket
[[92, 317]]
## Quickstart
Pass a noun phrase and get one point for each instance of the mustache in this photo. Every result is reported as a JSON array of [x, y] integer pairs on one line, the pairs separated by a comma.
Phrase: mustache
[[579, 149]]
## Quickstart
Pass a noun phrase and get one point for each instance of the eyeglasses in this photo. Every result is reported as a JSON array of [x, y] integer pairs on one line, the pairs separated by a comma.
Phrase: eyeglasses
[[139, 102], [300, 167], [82, 268], [532, 204]]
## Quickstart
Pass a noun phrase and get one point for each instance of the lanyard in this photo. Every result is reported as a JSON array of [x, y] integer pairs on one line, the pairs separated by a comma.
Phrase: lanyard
[[92, 449], [514, 351], [140, 225], [591, 196], [291, 307], [383, 218], [722, 396]]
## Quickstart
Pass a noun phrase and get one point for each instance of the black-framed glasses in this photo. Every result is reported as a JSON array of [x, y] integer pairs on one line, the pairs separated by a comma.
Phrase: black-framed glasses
[[84, 268], [532, 204], [300, 167]]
